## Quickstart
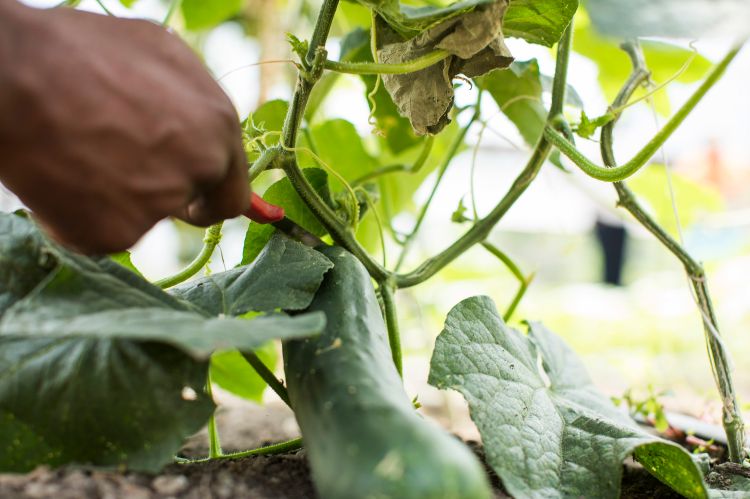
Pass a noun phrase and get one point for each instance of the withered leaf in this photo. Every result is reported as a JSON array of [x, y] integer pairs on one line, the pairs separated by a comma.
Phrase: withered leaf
[[475, 42]]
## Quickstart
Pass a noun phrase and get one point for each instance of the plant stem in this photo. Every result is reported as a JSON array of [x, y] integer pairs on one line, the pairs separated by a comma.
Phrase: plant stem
[[618, 173], [718, 356], [214, 444], [265, 160], [523, 280], [482, 228], [280, 448], [210, 241], [374, 68], [455, 146], [267, 376], [391, 320]]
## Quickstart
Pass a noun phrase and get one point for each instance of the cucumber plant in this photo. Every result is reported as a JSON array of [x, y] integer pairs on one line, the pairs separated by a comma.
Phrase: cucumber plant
[[100, 367]]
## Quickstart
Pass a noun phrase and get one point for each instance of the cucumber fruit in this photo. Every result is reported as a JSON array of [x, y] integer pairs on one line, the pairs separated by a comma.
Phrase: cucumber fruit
[[362, 436]]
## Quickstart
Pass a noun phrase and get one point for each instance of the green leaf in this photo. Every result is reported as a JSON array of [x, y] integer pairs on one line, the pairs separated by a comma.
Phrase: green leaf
[[284, 276], [475, 42], [128, 3], [232, 372], [204, 14], [96, 402], [546, 430], [339, 145], [283, 194], [123, 258], [670, 18], [539, 21], [74, 386], [518, 93], [587, 127]]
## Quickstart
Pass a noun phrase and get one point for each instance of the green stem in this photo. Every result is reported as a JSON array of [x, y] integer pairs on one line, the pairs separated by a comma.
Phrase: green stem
[[374, 68], [482, 228], [618, 173], [267, 376], [455, 146], [718, 356], [280, 448], [391, 320], [214, 444], [210, 241], [523, 280], [265, 160]]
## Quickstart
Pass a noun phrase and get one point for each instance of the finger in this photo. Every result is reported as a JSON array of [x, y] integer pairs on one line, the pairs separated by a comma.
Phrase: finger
[[226, 199]]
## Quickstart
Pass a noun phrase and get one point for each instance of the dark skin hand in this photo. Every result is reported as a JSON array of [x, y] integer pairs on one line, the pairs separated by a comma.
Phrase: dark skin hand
[[109, 125]]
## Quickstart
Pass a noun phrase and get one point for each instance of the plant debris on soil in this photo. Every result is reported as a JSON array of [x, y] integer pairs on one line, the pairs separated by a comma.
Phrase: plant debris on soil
[[282, 476]]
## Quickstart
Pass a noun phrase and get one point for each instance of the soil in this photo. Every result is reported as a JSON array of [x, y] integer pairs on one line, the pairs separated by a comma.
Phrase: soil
[[284, 476]]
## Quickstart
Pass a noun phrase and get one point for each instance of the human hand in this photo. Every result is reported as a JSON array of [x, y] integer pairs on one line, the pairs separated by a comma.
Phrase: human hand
[[109, 125]]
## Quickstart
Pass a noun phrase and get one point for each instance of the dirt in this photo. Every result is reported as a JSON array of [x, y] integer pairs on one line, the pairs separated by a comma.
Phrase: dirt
[[284, 476]]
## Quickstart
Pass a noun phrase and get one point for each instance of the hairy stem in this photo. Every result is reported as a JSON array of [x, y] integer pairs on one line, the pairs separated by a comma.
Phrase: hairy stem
[[374, 68], [718, 356], [386, 290], [267, 375], [210, 240], [280, 448], [482, 228], [615, 173]]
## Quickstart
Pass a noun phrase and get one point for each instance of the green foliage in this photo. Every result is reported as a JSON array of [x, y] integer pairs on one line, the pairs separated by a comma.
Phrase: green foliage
[[283, 194], [88, 371], [586, 128], [284, 276], [205, 14], [518, 94], [647, 407], [123, 258], [231, 371], [539, 21], [552, 411]]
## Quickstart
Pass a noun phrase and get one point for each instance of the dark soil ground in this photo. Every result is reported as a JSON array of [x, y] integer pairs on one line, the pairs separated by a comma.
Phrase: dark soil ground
[[284, 476]]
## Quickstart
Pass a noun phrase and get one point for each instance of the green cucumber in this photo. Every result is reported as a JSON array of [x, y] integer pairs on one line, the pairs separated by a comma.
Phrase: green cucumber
[[362, 436]]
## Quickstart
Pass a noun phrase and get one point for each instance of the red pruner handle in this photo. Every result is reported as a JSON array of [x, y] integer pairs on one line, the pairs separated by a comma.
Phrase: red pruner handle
[[262, 212]]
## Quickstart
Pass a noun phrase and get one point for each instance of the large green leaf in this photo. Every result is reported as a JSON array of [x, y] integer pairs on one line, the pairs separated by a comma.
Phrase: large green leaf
[[282, 193], [75, 386], [671, 18], [539, 21], [285, 276], [204, 14], [101, 402], [546, 430]]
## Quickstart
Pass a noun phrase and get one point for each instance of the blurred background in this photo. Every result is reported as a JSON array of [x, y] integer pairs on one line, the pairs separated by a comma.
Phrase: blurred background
[[635, 326]]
